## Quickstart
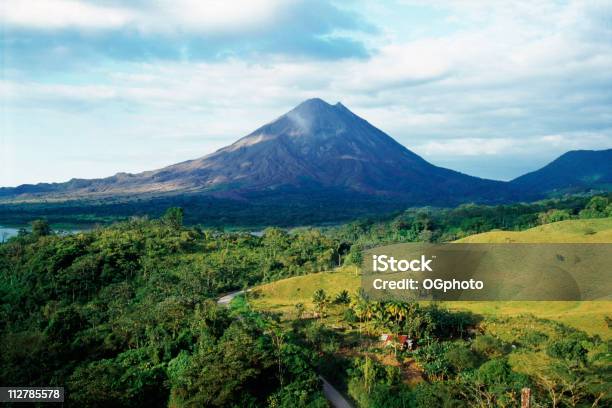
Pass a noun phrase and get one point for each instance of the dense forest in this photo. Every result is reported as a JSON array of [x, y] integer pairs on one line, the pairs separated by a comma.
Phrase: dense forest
[[465, 360], [322, 208], [286, 208], [126, 315]]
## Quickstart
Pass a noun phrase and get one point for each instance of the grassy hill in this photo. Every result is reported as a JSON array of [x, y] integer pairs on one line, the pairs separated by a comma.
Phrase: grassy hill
[[589, 316], [284, 294], [597, 230]]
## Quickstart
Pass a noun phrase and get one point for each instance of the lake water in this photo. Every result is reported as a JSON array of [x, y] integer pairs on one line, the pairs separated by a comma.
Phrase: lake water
[[9, 232], [6, 233]]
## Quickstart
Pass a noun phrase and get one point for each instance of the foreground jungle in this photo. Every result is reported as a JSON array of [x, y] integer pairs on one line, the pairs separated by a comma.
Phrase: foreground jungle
[[127, 315]]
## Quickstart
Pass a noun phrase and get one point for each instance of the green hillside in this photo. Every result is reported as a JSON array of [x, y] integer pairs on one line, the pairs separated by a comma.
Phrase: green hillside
[[589, 316], [596, 230]]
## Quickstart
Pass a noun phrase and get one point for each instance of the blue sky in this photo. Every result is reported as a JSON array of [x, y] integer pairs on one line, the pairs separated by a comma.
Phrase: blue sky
[[92, 88]]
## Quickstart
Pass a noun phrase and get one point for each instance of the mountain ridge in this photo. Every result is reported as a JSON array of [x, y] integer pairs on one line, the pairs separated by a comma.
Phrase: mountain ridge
[[315, 146], [573, 171]]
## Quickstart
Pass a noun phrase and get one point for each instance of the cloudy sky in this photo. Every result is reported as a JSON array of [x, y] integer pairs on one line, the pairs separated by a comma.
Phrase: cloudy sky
[[91, 88]]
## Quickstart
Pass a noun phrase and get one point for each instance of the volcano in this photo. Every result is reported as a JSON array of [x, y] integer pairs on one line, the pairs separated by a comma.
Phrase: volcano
[[312, 148]]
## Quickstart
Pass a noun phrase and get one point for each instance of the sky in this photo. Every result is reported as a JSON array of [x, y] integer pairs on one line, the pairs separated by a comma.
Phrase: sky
[[492, 89]]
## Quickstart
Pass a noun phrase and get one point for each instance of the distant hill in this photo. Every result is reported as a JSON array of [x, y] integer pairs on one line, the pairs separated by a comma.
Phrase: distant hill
[[597, 230], [574, 171]]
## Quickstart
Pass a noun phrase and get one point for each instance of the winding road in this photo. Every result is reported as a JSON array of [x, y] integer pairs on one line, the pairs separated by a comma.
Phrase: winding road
[[334, 396], [225, 300]]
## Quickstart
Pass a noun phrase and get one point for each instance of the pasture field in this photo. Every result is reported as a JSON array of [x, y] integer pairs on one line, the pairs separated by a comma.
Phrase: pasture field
[[589, 316]]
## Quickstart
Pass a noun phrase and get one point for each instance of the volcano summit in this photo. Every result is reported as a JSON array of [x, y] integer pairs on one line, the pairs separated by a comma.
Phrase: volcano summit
[[314, 147]]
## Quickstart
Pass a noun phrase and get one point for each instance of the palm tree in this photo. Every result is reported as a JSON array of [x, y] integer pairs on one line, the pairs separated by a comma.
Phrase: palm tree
[[320, 299], [299, 310], [378, 314], [397, 310], [362, 307], [342, 298]]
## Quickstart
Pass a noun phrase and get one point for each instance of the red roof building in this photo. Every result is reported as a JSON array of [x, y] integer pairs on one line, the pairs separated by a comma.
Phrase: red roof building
[[395, 340]]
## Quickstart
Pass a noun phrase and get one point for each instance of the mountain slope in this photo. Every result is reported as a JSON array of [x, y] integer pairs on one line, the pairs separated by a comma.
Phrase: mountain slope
[[314, 147], [322, 150], [574, 171]]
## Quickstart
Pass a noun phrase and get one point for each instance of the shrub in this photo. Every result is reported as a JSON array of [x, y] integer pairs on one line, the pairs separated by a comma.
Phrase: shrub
[[533, 338], [461, 358], [354, 257], [598, 207], [40, 228], [553, 215], [383, 396], [496, 371], [496, 381], [320, 337], [488, 346], [393, 375], [432, 358], [570, 349], [436, 394], [350, 316], [299, 310]]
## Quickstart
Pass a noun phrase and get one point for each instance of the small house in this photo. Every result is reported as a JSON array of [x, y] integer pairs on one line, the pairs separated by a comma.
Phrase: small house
[[400, 341]]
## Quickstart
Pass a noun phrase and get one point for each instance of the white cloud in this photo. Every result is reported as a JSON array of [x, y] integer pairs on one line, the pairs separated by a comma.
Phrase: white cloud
[[212, 16], [529, 80], [53, 14], [208, 16], [465, 147], [527, 146]]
